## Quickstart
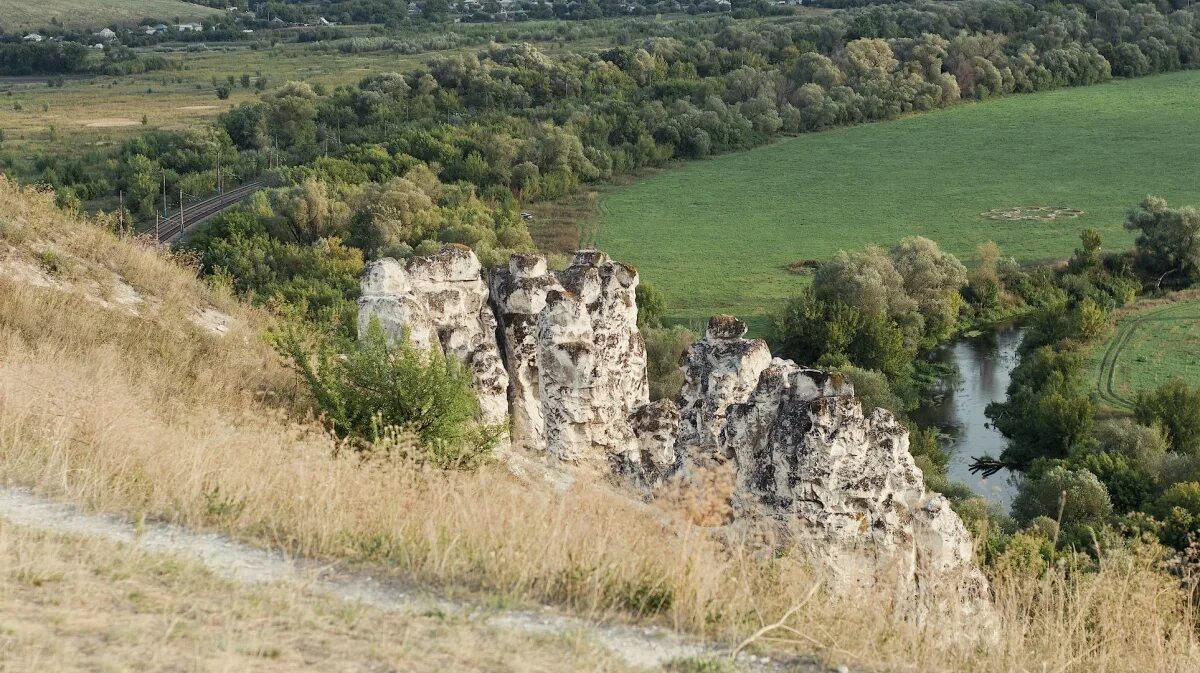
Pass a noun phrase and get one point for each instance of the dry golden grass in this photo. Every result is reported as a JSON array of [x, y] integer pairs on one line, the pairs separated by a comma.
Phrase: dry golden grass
[[70, 603], [152, 415]]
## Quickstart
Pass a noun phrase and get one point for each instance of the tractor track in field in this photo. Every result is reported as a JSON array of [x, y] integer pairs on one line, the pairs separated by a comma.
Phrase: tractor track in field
[[1106, 380]]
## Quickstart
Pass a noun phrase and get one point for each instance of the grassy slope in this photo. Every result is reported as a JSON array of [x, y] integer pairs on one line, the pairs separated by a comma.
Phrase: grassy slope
[[1152, 344], [715, 235], [69, 603], [96, 13]]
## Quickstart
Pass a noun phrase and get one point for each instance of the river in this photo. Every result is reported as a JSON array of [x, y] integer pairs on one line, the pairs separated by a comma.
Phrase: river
[[984, 364]]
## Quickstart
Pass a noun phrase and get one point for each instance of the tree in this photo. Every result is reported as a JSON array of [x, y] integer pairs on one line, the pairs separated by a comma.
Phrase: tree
[[392, 216], [1175, 406], [934, 279], [1047, 413], [868, 281], [1085, 502], [984, 287], [651, 304], [309, 212], [1169, 243]]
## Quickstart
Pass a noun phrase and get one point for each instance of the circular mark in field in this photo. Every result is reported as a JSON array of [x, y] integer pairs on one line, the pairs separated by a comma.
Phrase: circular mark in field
[[1032, 213]]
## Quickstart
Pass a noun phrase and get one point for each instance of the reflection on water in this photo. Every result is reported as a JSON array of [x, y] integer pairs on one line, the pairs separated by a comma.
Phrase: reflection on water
[[984, 364]]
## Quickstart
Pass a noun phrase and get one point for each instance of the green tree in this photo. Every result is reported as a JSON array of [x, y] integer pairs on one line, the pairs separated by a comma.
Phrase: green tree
[[1083, 499], [1175, 406], [1169, 243], [1047, 412], [651, 304]]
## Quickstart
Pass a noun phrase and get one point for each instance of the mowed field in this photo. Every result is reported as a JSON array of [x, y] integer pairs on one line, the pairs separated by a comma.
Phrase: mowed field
[[716, 235], [1152, 344], [21, 14]]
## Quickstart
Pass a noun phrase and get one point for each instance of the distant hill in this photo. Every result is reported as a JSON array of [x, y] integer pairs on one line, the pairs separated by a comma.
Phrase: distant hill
[[25, 14]]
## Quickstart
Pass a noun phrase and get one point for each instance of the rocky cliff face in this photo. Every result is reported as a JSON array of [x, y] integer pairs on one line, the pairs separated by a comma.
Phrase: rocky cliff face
[[719, 370], [845, 489], [560, 355]]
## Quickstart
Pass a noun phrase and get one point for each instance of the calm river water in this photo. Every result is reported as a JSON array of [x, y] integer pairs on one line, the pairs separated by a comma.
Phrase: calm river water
[[984, 364]]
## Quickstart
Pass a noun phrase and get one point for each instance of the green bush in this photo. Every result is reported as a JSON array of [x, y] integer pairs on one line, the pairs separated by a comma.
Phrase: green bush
[[1085, 501], [1176, 406], [1179, 510], [664, 349], [375, 392]]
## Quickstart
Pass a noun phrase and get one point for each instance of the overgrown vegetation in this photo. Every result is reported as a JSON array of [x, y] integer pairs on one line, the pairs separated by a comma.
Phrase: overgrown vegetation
[[376, 393]]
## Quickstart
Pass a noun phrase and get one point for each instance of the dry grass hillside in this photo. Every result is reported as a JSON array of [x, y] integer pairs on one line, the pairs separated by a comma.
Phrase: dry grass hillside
[[130, 386], [71, 603]]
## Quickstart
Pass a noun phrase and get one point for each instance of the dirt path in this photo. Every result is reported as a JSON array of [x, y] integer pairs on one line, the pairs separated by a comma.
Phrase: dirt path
[[642, 647]]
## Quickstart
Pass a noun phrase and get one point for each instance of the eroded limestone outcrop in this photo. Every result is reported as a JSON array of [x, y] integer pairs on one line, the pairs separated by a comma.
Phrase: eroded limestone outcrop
[[442, 301], [845, 489], [719, 370], [576, 359], [561, 356]]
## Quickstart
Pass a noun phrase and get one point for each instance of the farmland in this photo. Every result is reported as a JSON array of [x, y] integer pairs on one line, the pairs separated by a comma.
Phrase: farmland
[[1152, 344], [96, 111], [717, 235], [21, 14]]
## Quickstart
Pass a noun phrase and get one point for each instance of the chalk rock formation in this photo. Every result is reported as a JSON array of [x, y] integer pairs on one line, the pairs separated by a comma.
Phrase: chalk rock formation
[[560, 354], [719, 370], [442, 301], [846, 489], [656, 426], [577, 363], [519, 295]]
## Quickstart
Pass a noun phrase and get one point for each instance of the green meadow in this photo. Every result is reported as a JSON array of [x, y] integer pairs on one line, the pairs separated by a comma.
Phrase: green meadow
[[1149, 347], [717, 235]]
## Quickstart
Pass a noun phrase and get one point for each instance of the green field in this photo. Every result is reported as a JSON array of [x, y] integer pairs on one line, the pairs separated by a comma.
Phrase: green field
[[716, 235], [23, 14], [1151, 346]]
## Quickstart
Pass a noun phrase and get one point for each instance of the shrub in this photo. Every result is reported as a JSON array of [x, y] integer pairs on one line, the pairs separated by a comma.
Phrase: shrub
[[651, 305], [1083, 499], [664, 348], [1176, 406], [1179, 509], [374, 391]]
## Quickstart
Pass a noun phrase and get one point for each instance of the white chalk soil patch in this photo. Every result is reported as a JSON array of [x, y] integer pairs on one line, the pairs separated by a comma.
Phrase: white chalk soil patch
[[26, 272], [644, 647], [192, 108], [211, 319], [110, 123]]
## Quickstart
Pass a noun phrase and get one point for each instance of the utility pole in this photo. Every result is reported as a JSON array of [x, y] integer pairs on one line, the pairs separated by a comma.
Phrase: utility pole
[[121, 217], [164, 177], [220, 189], [181, 211]]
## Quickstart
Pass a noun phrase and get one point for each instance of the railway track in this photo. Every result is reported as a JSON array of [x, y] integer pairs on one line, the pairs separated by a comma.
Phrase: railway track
[[174, 227]]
